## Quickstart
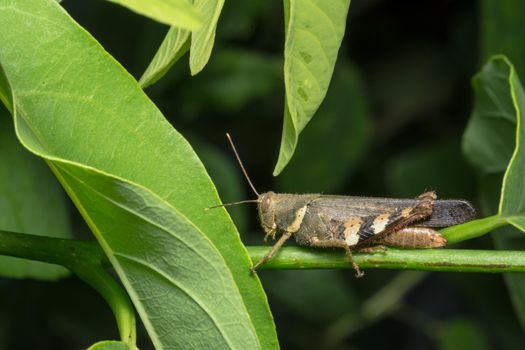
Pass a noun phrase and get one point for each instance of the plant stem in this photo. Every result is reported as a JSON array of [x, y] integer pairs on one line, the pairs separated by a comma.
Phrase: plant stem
[[73, 253], [473, 229], [454, 260], [60, 251], [87, 260]]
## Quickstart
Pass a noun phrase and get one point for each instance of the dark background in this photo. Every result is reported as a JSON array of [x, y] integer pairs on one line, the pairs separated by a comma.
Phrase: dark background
[[391, 125]]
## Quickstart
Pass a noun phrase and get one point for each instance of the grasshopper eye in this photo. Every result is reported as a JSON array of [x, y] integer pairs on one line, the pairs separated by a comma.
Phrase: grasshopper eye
[[265, 205]]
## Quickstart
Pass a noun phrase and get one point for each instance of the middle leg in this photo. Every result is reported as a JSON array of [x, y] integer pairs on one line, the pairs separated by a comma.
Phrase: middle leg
[[337, 243]]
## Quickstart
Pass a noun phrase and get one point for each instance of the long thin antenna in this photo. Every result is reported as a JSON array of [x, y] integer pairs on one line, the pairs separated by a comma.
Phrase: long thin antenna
[[240, 163], [233, 203]]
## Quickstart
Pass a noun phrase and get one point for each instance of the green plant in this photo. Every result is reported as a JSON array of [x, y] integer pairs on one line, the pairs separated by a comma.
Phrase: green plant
[[142, 189]]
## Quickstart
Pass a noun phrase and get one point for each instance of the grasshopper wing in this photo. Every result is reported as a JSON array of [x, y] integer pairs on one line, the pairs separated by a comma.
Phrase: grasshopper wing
[[445, 213]]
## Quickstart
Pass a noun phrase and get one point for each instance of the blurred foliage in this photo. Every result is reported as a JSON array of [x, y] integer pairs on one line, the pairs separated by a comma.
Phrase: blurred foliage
[[390, 125], [460, 334], [27, 191]]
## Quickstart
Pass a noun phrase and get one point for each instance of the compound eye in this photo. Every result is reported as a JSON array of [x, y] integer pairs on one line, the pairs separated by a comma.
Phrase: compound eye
[[265, 205]]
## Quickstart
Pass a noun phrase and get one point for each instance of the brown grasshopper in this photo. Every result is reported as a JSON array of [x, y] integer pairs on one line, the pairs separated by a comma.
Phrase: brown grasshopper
[[362, 224]]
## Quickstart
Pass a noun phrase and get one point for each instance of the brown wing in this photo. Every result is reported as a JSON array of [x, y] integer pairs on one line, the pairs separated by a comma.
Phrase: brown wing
[[364, 230], [445, 212]]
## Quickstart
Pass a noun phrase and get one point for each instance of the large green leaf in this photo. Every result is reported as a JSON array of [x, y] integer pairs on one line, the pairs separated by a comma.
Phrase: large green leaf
[[31, 201], [177, 13], [499, 108], [136, 181], [314, 30]]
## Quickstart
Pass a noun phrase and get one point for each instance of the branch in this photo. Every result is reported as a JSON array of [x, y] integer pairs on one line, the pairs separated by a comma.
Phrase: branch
[[454, 260]]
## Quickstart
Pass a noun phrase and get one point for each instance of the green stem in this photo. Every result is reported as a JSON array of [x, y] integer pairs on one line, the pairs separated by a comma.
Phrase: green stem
[[87, 260], [455, 260], [115, 296], [473, 229]]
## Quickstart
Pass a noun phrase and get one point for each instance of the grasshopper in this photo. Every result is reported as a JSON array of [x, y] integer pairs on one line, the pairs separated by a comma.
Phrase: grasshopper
[[361, 224]]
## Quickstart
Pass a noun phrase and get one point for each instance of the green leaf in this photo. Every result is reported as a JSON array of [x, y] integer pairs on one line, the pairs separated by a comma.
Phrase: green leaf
[[175, 44], [31, 201], [314, 30], [166, 259], [512, 200], [500, 102], [498, 110], [176, 13], [202, 39], [109, 345], [501, 25], [136, 181], [343, 124], [493, 120]]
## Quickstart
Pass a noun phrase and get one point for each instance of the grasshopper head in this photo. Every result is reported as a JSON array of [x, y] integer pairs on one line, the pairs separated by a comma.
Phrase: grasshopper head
[[267, 210]]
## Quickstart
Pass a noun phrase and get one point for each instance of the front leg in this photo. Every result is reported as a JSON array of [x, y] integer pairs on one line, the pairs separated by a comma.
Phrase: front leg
[[272, 251], [292, 228], [337, 243]]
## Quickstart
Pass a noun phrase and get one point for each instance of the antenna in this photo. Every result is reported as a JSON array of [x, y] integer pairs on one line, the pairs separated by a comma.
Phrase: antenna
[[233, 203], [242, 167]]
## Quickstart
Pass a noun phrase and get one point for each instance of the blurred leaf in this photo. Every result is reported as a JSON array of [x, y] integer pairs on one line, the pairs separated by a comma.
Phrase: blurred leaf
[[387, 300], [234, 79], [479, 288], [175, 44], [499, 106], [239, 18], [437, 166], [202, 39], [314, 31], [406, 85], [31, 201], [336, 140], [502, 31], [177, 13], [460, 334], [109, 345], [136, 181], [303, 291]]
